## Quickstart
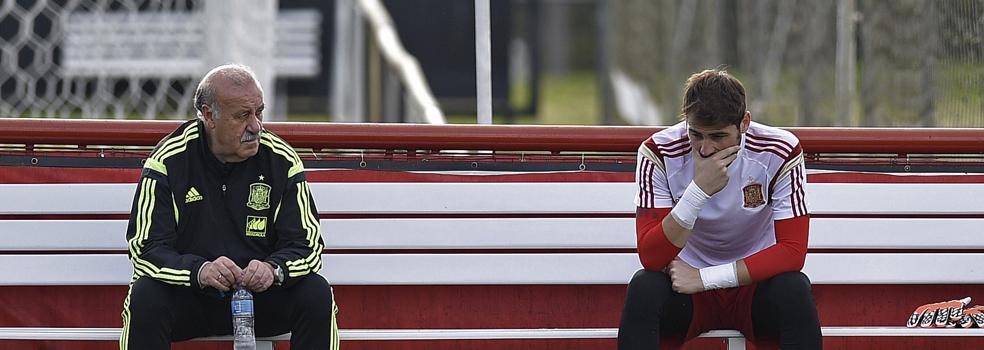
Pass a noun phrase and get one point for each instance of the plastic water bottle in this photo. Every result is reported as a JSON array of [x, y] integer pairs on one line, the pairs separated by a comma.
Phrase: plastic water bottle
[[242, 320]]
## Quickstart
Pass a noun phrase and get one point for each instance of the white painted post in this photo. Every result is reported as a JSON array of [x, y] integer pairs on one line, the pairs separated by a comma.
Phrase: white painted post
[[845, 63], [348, 70], [483, 61], [242, 31]]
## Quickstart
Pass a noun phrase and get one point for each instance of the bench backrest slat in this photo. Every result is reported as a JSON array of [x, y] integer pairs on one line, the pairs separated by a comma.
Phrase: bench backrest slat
[[510, 233], [490, 269], [574, 233], [509, 198]]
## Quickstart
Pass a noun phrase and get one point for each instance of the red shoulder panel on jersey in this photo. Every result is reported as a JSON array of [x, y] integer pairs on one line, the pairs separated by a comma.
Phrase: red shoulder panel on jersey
[[671, 149], [798, 176], [653, 147], [645, 174], [771, 140], [676, 148], [778, 147], [798, 197]]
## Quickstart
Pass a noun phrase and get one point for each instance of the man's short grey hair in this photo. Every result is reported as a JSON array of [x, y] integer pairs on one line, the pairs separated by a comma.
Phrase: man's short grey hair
[[205, 94]]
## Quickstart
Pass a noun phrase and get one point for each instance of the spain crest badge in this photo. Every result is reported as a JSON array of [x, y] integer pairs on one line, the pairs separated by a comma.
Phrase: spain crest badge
[[259, 196], [752, 195]]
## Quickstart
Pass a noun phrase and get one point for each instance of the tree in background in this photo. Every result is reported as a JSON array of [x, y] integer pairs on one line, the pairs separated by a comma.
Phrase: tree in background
[[920, 62]]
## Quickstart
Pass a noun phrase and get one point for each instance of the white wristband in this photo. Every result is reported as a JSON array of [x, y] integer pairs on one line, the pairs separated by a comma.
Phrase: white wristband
[[686, 210], [721, 276]]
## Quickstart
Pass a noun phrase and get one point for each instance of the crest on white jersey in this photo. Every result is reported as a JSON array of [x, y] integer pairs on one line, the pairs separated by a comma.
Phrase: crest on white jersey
[[752, 197]]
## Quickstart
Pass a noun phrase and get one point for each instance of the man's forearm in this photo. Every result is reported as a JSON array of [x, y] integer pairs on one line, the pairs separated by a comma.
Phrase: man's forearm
[[788, 254], [654, 246], [675, 233], [744, 277], [683, 217]]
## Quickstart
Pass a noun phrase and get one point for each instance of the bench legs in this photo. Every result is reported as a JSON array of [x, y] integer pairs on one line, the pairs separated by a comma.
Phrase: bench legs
[[736, 343]]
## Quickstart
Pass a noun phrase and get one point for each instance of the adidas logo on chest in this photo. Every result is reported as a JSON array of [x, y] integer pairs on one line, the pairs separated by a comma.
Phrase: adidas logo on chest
[[192, 195]]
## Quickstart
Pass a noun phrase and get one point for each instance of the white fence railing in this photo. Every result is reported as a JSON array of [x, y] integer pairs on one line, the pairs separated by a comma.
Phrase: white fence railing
[[397, 90]]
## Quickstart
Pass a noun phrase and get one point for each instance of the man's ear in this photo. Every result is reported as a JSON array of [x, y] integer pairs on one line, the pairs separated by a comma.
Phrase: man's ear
[[745, 122], [208, 116]]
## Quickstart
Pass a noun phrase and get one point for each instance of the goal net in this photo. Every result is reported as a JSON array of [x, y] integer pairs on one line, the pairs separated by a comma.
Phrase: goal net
[[126, 58]]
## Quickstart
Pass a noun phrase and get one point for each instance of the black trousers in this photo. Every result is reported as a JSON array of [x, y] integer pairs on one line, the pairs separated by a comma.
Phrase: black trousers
[[156, 313], [783, 305]]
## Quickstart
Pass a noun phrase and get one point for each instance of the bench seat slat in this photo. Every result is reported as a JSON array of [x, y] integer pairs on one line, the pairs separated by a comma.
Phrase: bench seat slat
[[112, 334]]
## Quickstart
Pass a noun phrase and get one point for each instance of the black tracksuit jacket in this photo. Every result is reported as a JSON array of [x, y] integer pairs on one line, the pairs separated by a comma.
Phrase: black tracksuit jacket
[[190, 208]]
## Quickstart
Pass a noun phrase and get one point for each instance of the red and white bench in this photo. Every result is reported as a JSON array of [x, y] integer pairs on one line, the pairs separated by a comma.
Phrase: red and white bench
[[496, 258]]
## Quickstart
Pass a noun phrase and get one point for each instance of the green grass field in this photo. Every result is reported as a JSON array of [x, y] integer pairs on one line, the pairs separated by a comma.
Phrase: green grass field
[[572, 99], [569, 99]]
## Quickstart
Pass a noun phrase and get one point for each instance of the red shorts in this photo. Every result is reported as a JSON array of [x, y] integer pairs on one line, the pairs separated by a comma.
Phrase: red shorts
[[729, 308]]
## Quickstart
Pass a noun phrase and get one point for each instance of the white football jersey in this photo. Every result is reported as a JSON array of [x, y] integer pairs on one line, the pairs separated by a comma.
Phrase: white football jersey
[[766, 183]]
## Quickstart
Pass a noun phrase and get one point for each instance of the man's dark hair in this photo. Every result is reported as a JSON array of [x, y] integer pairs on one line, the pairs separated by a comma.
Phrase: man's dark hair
[[713, 98]]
